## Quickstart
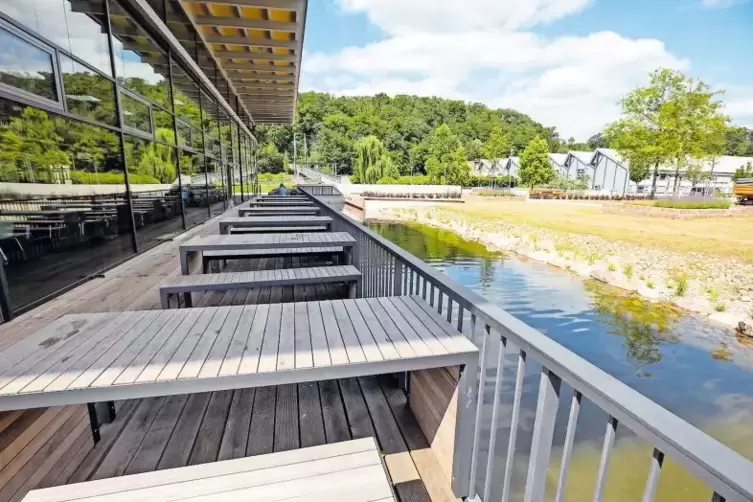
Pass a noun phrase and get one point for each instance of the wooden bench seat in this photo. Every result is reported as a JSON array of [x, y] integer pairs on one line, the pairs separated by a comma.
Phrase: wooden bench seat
[[348, 470], [188, 284], [245, 254], [268, 230]]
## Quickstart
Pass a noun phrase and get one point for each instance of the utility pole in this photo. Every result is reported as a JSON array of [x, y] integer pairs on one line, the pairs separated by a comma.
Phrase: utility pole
[[295, 157]]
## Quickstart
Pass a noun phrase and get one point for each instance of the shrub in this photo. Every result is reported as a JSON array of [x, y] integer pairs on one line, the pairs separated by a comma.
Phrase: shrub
[[650, 284], [611, 267], [719, 307], [111, 178], [688, 204], [681, 287], [592, 257], [628, 270], [496, 193]]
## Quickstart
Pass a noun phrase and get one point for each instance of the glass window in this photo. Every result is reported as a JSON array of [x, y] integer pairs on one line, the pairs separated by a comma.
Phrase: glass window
[[55, 239], [140, 64], [25, 66], [217, 186], [186, 94], [135, 113], [153, 177], [74, 25], [195, 188], [87, 93], [163, 126]]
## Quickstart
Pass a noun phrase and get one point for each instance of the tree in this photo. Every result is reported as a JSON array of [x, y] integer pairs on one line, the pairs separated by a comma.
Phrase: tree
[[668, 122], [535, 166], [497, 146], [639, 169], [446, 162], [745, 171], [598, 140], [372, 161], [696, 174]]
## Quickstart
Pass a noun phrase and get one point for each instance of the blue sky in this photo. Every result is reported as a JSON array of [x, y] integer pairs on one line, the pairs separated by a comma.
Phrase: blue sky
[[564, 62]]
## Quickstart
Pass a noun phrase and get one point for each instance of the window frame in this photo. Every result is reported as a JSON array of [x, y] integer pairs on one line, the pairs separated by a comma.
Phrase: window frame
[[29, 97], [130, 129]]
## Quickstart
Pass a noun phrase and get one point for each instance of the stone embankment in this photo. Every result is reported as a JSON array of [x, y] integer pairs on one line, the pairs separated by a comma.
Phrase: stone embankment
[[713, 286]]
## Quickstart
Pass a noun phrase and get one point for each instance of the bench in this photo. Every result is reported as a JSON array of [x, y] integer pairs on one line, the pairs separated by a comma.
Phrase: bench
[[263, 230], [348, 470], [234, 222], [246, 254], [188, 284]]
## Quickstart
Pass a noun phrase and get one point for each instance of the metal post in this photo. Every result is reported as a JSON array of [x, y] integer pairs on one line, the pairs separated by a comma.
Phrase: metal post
[[119, 114], [5, 310], [543, 433], [93, 422], [177, 141]]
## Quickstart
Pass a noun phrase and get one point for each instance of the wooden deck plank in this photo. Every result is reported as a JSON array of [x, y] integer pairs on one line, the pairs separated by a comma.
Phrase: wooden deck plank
[[207, 444], [180, 444], [269, 350], [310, 418], [355, 408], [286, 418], [176, 361], [196, 360], [333, 412], [352, 344], [149, 452], [117, 459], [286, 348], [235, 437], [234, 354], [261, 432]]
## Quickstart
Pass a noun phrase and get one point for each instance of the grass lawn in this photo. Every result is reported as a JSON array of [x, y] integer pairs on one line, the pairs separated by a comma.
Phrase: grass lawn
[[732, 237]]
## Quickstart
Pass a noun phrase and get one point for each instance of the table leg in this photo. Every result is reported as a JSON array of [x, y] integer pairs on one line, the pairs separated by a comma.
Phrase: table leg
[[94, 422], [464, 426], [184, 262], [111, 410]]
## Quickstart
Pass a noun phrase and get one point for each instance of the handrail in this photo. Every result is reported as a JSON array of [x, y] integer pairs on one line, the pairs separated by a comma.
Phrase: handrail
[[320, 176], [390, 270]]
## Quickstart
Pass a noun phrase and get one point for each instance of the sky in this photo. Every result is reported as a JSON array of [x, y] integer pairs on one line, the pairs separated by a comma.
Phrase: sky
[[566, 63]]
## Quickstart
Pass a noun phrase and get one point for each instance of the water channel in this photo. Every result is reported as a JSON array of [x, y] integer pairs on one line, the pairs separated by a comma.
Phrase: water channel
[[692, 367]]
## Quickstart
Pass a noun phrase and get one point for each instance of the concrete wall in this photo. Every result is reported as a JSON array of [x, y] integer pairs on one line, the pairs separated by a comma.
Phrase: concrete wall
[[50, 189], [350, 189]]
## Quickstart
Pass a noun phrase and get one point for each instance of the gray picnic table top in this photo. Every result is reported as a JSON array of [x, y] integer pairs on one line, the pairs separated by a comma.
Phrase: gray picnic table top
[[199, 244], [89, 358], [273, 221], [284, 209]]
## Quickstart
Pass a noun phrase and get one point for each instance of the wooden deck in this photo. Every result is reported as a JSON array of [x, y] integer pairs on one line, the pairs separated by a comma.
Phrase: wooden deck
[[53, 446]]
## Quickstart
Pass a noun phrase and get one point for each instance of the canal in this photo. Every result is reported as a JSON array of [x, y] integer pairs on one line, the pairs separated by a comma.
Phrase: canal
[[694, 368]]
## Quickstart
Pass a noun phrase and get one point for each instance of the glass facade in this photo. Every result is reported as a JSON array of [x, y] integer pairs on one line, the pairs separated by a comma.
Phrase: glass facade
[[108, 145]]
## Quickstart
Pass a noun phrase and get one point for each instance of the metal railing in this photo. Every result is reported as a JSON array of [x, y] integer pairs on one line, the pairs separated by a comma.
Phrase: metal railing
[[388, 270], [320, 176]]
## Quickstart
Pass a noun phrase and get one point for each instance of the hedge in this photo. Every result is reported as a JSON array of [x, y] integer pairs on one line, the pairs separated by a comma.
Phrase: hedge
[[111, 178], [693, 204]]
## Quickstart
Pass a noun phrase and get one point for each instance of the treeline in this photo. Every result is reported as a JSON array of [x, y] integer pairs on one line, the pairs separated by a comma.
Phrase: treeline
[[329, 130]]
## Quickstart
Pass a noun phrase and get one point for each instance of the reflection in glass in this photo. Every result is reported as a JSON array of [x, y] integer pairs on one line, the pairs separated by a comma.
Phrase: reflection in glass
[[140, 64], [155, 193], [51, 235], [74, 25], [135, 113], [217, 185], [26, 66], [186, 94], [87, 93], [163, 126]]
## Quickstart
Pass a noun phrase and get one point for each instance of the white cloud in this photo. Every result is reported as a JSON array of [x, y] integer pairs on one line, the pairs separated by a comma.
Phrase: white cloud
[[441, 16], [722, 4], [573, 83]]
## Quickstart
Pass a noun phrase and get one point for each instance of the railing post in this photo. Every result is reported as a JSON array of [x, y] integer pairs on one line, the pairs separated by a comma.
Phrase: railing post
[[398, 278], [543, 433]]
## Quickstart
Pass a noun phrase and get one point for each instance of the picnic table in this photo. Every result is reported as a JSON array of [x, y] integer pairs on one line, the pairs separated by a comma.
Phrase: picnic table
[[90, 358], [278, 210], [273, 221], [195, 246]]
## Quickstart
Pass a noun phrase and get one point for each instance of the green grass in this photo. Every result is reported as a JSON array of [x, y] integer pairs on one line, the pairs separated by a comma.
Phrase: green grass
[[650, 284], [681, 285], [684, 204], [611, 267], [719, 307], [627, 269], [592, 257]]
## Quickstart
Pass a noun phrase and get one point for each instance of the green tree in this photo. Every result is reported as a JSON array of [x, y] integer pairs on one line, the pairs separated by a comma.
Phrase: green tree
[[446, 160], [535, 166], [497, 147], [745, 171], [668, 122], [372, 161], [696, 174]]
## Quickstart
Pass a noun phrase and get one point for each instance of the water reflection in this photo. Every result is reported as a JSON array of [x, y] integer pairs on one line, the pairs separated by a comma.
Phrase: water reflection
[[695, 369]]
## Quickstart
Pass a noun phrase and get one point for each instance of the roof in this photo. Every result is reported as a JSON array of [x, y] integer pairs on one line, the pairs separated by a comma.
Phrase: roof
[[612, 154], [257, 46], [726, 164], [484, 166], [558, 158], [582, 156]]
